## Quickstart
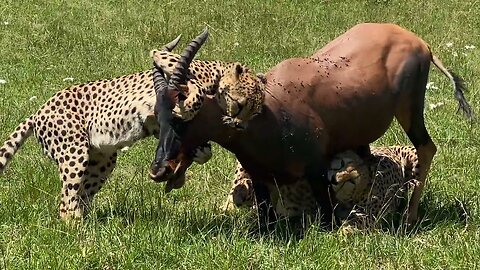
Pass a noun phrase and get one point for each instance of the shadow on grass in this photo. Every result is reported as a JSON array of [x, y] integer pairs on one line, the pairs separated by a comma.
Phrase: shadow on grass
[[431, 216], [454, 212], [210, 222], [245, 224]]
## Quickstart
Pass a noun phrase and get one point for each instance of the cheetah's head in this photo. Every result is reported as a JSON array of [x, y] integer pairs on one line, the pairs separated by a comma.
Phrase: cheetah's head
[[241, 95], [348, 174]]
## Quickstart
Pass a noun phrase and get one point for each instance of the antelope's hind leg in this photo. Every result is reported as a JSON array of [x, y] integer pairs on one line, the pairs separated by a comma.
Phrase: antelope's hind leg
[[409, 113]]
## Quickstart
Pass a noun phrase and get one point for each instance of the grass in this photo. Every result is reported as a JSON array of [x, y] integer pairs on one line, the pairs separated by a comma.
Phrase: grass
[[134, 225]]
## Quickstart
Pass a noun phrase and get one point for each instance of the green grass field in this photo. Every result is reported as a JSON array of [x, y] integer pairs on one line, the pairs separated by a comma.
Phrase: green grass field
[[135, 225]]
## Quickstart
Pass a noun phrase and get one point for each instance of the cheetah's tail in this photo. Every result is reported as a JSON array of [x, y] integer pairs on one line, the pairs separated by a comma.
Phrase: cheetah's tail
[[15, 141]]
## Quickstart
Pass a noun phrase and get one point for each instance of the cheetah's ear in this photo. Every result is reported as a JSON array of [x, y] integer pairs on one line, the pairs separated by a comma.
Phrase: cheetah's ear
[[262, 77], [237, 70]]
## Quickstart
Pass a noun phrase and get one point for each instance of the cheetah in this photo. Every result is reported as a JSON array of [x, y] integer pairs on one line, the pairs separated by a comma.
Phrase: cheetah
[[369, 187], [368, 190], [81, 128]]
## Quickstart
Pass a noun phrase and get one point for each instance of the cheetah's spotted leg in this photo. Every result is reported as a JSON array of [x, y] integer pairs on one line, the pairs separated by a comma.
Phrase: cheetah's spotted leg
[[84, 181], [241, 193], [72, 172], [100, 167]]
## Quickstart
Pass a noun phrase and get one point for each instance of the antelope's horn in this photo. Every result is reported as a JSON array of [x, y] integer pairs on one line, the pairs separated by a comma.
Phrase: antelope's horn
[[179, 75], [159, 82], [171, 45]]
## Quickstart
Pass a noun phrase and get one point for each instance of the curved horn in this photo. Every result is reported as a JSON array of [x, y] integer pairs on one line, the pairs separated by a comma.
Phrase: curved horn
[[179, 75], [168, 143], [171, 45], [159, 82]]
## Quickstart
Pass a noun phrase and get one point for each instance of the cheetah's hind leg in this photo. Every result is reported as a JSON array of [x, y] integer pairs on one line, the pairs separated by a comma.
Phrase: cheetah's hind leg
[[84, 181]]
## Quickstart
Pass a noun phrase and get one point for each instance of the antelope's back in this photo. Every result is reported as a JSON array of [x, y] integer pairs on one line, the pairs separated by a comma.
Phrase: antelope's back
[[344, 96]]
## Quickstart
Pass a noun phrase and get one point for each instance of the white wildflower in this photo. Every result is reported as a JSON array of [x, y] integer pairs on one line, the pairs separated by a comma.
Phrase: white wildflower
[[470, 47], [433, 106], [455, 54], [3, 81], [431, 85], [449, 44], [68, 79], [124, 149], [6, 23], [236, 44], [33, 98]]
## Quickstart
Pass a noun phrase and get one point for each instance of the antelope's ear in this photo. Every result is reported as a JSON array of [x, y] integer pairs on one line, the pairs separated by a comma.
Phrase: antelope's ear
[[262, 77]]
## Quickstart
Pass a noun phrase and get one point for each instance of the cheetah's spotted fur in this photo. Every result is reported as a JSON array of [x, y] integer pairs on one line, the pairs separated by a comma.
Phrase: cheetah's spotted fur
[[373, 186], [369, 190], [82, 127]]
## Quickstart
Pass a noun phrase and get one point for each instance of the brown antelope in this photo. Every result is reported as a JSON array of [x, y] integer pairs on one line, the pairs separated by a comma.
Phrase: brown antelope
[[344, 96]]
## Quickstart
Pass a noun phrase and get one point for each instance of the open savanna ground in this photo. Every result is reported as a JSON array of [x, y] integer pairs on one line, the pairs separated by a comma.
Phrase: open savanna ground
[[46, 45]]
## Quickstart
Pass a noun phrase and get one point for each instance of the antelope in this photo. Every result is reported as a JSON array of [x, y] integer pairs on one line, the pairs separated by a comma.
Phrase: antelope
[[342, 97]]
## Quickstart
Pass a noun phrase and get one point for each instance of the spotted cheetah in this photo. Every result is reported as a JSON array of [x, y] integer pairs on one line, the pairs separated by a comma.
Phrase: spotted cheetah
[[83, 126], [373, 186], [367, 190]]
